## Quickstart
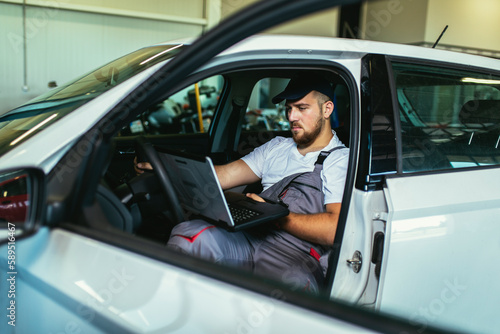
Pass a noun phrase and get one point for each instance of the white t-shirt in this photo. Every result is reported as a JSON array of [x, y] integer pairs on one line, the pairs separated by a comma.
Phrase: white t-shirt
[[279, 158]]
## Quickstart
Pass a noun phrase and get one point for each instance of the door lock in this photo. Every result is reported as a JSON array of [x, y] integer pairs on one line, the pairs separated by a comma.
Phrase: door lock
[[355, 262]]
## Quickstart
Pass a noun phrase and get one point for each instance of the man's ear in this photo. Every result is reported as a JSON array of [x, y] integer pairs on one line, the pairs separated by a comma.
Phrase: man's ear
[[327, 109]]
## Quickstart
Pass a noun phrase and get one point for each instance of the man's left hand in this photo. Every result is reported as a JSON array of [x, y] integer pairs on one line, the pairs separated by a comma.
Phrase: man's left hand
[[255, 197]]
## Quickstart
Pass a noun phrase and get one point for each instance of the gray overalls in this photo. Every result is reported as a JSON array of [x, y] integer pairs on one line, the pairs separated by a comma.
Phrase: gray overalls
[[268, 252]]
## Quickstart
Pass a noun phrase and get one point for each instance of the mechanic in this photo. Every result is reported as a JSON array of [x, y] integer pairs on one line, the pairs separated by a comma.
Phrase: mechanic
[[294, 249]]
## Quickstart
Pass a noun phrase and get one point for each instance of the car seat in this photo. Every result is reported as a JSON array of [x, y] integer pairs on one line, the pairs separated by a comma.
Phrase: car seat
[[117, 214]]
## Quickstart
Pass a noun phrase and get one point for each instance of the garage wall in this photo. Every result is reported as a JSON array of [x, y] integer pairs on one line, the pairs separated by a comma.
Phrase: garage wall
[[65, 39], [158, 8], [322, 24], [397, 21], [11, 58], [473, 26]]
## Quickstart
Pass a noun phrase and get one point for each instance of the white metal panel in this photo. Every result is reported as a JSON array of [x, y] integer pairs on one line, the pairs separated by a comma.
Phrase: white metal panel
[[11, 57], [363, 221], [348, 285], [441, 250], [69, 282]]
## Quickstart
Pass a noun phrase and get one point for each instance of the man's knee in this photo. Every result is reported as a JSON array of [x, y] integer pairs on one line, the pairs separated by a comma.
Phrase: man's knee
[[191, 231], [195, 238]]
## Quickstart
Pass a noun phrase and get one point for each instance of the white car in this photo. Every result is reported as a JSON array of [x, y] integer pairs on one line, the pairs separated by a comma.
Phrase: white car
[[84, 237]]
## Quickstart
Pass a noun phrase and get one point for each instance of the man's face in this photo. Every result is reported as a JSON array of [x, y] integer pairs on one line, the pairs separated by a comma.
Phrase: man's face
[[306, 119]]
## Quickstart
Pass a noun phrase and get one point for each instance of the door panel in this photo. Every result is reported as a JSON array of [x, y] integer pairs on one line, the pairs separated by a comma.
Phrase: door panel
[[442, 231], [69, 283], [364, 220]]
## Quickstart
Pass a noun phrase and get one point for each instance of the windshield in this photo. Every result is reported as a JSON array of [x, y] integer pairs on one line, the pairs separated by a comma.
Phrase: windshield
[[20, 124]]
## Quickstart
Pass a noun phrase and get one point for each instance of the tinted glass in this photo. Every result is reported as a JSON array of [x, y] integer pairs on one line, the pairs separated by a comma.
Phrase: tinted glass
[[262, 114], [181, 112], [449, 118], [20, 124], [112, 74]]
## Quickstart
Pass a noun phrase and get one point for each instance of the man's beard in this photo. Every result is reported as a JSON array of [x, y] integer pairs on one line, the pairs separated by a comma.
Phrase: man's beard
[[308, 138]]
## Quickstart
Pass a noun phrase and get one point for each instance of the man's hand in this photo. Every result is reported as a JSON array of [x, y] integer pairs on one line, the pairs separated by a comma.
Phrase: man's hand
[[255, 197], [140, 167]]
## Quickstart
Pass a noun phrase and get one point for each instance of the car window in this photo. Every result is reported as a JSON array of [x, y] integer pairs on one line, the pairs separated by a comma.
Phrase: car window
[[262, 114], [449, 118], [180, 112]]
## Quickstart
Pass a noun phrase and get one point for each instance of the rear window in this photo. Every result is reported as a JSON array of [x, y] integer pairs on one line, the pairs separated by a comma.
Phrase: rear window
[[449, 118]]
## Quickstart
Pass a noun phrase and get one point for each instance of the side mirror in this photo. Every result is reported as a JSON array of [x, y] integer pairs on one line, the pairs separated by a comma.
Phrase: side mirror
[[22, 195]]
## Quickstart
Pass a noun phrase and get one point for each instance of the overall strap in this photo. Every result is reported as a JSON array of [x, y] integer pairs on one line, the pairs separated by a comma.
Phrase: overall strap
[[324, 154], [318, 165], [276, 190]]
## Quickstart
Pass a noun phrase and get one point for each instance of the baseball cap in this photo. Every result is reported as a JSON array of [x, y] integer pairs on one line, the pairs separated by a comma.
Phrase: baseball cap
[[300, 86]]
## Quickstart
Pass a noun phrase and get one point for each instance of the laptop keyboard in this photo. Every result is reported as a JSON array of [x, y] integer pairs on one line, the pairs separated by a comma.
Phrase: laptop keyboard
[[240, 214]]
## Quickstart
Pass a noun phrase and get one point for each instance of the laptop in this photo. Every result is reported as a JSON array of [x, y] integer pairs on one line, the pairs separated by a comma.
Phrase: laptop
[[199, 191]]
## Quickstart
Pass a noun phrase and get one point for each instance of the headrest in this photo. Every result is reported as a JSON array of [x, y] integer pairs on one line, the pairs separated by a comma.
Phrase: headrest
[[480, 112]]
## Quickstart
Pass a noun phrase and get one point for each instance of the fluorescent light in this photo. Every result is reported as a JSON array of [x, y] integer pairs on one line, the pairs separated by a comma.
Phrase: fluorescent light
[[481, 81], [161, 53], [33, 129]]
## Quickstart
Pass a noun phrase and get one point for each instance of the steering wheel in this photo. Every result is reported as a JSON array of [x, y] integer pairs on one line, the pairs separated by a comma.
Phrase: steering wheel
[[146, 150]]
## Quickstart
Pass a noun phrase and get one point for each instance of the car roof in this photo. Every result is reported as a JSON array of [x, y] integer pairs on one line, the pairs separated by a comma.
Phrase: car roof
[[354, 48], [351, 48]]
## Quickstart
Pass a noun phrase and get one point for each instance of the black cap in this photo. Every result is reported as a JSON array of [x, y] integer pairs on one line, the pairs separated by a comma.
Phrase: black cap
[[300, 86]]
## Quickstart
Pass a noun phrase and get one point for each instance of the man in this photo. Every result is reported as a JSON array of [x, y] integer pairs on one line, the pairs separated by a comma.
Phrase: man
[[292, 251]]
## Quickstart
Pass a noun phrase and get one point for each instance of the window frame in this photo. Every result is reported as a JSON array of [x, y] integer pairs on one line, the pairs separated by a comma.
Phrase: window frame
[[374, 101], [375, 181], [435, 64]]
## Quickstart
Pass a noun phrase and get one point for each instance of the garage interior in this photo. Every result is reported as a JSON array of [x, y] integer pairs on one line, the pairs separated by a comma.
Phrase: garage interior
[[48, 43]]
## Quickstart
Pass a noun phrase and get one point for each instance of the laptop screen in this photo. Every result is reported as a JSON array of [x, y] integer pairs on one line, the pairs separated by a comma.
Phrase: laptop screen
[[197, 186]]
